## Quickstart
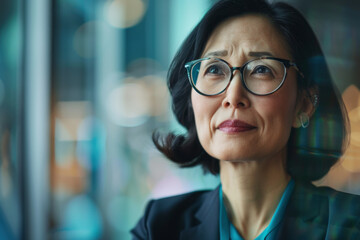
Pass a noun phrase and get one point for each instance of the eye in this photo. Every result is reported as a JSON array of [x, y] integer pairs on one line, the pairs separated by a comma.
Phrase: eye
[[261, 69], [215, 69], [262, 72]]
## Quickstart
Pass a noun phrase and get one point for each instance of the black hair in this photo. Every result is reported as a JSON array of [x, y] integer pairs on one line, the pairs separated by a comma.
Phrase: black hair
[[311, 151]]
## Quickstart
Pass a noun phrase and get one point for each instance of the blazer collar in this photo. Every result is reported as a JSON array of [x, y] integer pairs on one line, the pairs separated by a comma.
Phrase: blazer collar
[[307, 214], [304, 209], [208, 219]]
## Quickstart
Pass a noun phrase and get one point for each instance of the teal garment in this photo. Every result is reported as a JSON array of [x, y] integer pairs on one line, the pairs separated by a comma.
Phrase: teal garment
[[228, 231]]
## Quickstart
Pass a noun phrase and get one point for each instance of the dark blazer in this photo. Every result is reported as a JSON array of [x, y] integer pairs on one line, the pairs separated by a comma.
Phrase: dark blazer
[[312, 213]]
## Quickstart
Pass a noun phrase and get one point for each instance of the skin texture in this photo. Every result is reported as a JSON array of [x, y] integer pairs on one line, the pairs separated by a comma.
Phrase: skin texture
[[252, 161], [273, 115]]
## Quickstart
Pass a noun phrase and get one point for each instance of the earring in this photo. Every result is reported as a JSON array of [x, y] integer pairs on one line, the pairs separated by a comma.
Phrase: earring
[[304, 119]]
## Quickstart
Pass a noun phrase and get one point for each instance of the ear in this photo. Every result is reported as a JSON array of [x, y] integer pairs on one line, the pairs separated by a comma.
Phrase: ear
[[306, 104]]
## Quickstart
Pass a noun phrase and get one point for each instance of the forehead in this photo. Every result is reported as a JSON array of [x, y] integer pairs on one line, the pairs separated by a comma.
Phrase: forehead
[[248, 33]]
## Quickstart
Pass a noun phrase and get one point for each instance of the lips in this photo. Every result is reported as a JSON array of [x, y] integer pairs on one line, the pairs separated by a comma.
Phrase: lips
[[235, 126]]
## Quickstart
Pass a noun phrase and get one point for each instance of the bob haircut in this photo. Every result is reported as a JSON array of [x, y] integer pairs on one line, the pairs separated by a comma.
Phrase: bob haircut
[[311, 151]]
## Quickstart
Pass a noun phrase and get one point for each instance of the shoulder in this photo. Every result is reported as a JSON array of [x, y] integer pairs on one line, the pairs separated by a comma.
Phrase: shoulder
[[325, 191], [341, 204], [342, 209], [335, 198], [179, 210], [338, 198], [343, 213], [321, 212]]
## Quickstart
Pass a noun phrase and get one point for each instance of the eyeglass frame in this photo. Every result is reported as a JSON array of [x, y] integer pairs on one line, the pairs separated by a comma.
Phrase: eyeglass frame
[[286, 63]]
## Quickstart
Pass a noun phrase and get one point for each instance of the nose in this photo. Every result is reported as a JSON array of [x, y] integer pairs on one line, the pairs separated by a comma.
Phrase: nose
[[236, 95]]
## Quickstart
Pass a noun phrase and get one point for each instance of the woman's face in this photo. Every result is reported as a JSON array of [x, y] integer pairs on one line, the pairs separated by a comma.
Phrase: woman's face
[[237, 125]]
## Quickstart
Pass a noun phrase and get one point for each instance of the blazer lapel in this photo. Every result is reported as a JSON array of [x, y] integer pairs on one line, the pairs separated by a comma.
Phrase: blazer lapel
[[306, 215], [208, 219]]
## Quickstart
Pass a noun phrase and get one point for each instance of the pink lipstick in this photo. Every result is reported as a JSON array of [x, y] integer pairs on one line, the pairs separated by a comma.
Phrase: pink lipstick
[[235, 126]]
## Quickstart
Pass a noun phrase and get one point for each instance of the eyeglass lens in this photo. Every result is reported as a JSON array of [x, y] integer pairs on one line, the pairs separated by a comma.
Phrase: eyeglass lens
[[261, 76]]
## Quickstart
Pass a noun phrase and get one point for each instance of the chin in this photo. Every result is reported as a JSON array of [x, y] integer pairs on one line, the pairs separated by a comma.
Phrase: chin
[[233, 157]]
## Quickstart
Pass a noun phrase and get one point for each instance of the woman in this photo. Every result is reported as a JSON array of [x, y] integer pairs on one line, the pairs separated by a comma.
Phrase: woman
[[261, 111]]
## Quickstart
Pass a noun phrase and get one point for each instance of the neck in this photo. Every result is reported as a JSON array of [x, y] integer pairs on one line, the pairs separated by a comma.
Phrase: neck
[[252, 191]]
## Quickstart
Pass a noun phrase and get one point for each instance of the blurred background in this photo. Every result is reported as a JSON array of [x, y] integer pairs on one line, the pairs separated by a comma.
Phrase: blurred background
[[82, 88]]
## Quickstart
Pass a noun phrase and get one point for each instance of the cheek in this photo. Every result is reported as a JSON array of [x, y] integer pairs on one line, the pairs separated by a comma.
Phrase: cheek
[[203, 113], [278, 113], [198, 108], [284, 103]]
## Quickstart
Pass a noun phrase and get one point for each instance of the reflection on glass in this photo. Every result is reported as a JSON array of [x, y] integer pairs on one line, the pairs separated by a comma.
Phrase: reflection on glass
[[110, 94]]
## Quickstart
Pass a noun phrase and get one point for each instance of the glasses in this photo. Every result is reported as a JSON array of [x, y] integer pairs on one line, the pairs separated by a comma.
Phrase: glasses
[[262, 76]]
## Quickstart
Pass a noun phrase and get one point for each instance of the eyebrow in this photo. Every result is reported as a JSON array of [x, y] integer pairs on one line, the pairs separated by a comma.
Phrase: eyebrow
[[220, 53], [260, 54], [223, 53]]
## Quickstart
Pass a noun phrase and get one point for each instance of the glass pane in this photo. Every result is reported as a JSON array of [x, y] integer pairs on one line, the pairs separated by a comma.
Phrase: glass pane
[[110, 94]]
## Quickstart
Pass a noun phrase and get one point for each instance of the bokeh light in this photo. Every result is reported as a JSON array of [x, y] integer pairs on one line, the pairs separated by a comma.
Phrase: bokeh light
[[81, 220], [128, 105], [351, 159], [124, 13], [69, 171], [132, 102]]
